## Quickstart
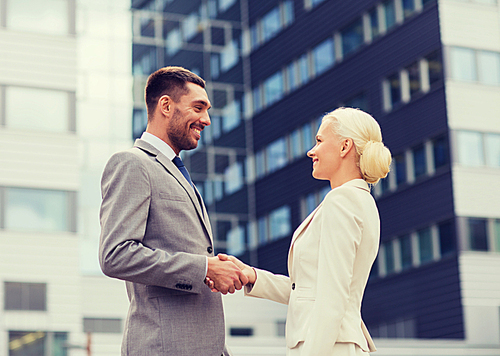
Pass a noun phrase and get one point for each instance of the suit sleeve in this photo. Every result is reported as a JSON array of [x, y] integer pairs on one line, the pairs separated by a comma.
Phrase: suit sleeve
[[270, 286], [341, 231], [126, 196]]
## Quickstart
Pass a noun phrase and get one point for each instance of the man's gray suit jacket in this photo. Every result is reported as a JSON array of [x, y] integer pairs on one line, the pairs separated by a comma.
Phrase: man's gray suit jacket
[[155, 235]]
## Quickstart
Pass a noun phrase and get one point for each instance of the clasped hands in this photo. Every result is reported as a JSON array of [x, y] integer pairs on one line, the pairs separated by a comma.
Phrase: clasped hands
[[226, 274]]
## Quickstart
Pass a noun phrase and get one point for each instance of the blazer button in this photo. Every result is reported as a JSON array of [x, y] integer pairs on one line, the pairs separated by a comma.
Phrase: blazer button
[[293, 286], [210, 249]]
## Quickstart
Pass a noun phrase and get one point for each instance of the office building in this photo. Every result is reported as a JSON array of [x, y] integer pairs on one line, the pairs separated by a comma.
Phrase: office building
[[427, 70], [65, 107]]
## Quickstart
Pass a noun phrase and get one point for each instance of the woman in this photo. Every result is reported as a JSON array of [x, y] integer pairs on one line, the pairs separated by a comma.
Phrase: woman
[[333, 250]]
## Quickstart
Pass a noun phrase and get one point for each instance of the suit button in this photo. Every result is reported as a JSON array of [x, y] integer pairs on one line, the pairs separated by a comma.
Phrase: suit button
[[293, 286], [210, 249]]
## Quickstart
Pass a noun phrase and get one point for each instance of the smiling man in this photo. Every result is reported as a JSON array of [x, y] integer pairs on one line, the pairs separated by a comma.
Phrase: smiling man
[[155, 230]]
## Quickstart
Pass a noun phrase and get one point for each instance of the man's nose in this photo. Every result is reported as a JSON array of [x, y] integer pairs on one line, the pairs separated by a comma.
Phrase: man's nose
[[205, 120]]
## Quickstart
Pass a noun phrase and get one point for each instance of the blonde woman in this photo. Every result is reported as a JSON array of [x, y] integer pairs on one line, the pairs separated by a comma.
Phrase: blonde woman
[[332, 251]]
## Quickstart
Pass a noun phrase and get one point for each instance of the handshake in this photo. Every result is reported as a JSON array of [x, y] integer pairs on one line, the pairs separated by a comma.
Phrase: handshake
[[226, 274]]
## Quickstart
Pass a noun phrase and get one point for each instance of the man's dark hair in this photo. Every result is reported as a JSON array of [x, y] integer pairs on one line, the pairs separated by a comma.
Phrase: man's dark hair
[[169, 81]]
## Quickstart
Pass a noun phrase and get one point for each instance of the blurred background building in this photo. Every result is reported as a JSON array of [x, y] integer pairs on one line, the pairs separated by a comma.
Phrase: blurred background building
[[428, 71], [65, 107], [72, 75]]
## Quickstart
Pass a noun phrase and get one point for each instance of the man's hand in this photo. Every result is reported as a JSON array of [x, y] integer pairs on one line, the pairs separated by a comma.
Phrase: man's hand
[[224, 276], [248, 271]]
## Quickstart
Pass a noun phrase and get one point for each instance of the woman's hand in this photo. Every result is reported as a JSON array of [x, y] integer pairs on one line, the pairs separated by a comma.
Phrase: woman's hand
[[248, 271]]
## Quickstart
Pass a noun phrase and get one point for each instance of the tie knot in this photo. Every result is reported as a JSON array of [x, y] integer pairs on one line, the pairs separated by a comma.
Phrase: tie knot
[[178, 162]]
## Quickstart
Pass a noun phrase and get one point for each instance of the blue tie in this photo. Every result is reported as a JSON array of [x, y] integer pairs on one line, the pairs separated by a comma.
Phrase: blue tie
[[178, 162]]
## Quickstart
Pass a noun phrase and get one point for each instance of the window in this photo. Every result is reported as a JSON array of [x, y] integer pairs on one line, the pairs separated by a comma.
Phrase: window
[[303, 65], [463, 64], [241, 331], [48, 110], [414, 78], [470, 148], [271, 24], [276, 155], [262, 230], [488, 64], [288, 13], [435, 67], [389, 257], [291, 77], [419, 161], [446, 238], [478, 236], [254, 36], [425, 245], [492, 145], [48, 16], [102, 325], [233, 178], [395, 89], [257, 99], [25, 296], [260, 164], [273, 88], [352, 37], [24, 343], [174, 42], [236, 241], [231, 115], [408, 7], [225, 4], [374, 24], [307, 137], [497, 235], [139, 122], [279, 222], [359, 101], [229, 56], [323, 56], [400, 163], [310, 203], [406, 252], [39, 210], [312, 3], [440, 150], [214, 65], [296, 149], [390, 14], [189, 26]]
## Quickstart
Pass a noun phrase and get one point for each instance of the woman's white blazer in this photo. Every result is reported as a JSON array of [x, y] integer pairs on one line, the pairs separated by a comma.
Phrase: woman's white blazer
[[329, 262]]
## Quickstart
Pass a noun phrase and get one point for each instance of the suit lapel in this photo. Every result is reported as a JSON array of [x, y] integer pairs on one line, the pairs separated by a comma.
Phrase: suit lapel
[[298, 232], [174, 171]]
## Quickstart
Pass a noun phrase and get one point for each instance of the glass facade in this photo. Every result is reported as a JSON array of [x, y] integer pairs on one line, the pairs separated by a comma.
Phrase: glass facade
[[38, 210]]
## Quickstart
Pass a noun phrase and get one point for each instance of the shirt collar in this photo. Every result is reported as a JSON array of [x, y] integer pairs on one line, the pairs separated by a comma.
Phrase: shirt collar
[[159, 144]]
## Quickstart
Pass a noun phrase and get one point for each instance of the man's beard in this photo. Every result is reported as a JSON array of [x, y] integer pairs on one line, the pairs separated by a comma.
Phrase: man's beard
[[178, 135]]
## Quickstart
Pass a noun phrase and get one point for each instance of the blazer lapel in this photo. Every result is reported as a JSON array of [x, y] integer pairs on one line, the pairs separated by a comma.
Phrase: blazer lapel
[[298, 232], [174, 171]]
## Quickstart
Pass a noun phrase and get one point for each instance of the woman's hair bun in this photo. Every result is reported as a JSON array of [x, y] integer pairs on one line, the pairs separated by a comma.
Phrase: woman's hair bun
[[374, 157]]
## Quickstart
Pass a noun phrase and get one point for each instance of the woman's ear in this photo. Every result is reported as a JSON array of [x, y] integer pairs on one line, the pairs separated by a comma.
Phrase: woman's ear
[[346, 146]]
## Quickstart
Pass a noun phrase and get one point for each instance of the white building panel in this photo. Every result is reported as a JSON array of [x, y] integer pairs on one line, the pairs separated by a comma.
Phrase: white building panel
[[39, 160], [469, 24], [37, 60], [480, 288], [473, 106], [476, 191]]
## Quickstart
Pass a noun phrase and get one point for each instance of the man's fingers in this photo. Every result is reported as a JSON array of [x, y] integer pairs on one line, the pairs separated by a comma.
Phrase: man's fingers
[[223, 257]]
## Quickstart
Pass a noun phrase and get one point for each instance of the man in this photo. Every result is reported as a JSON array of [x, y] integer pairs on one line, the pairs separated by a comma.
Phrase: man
[[155, 231]]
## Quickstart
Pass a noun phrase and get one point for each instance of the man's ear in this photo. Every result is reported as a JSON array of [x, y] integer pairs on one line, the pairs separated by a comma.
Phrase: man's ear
[[346, 146], [164, 105]]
